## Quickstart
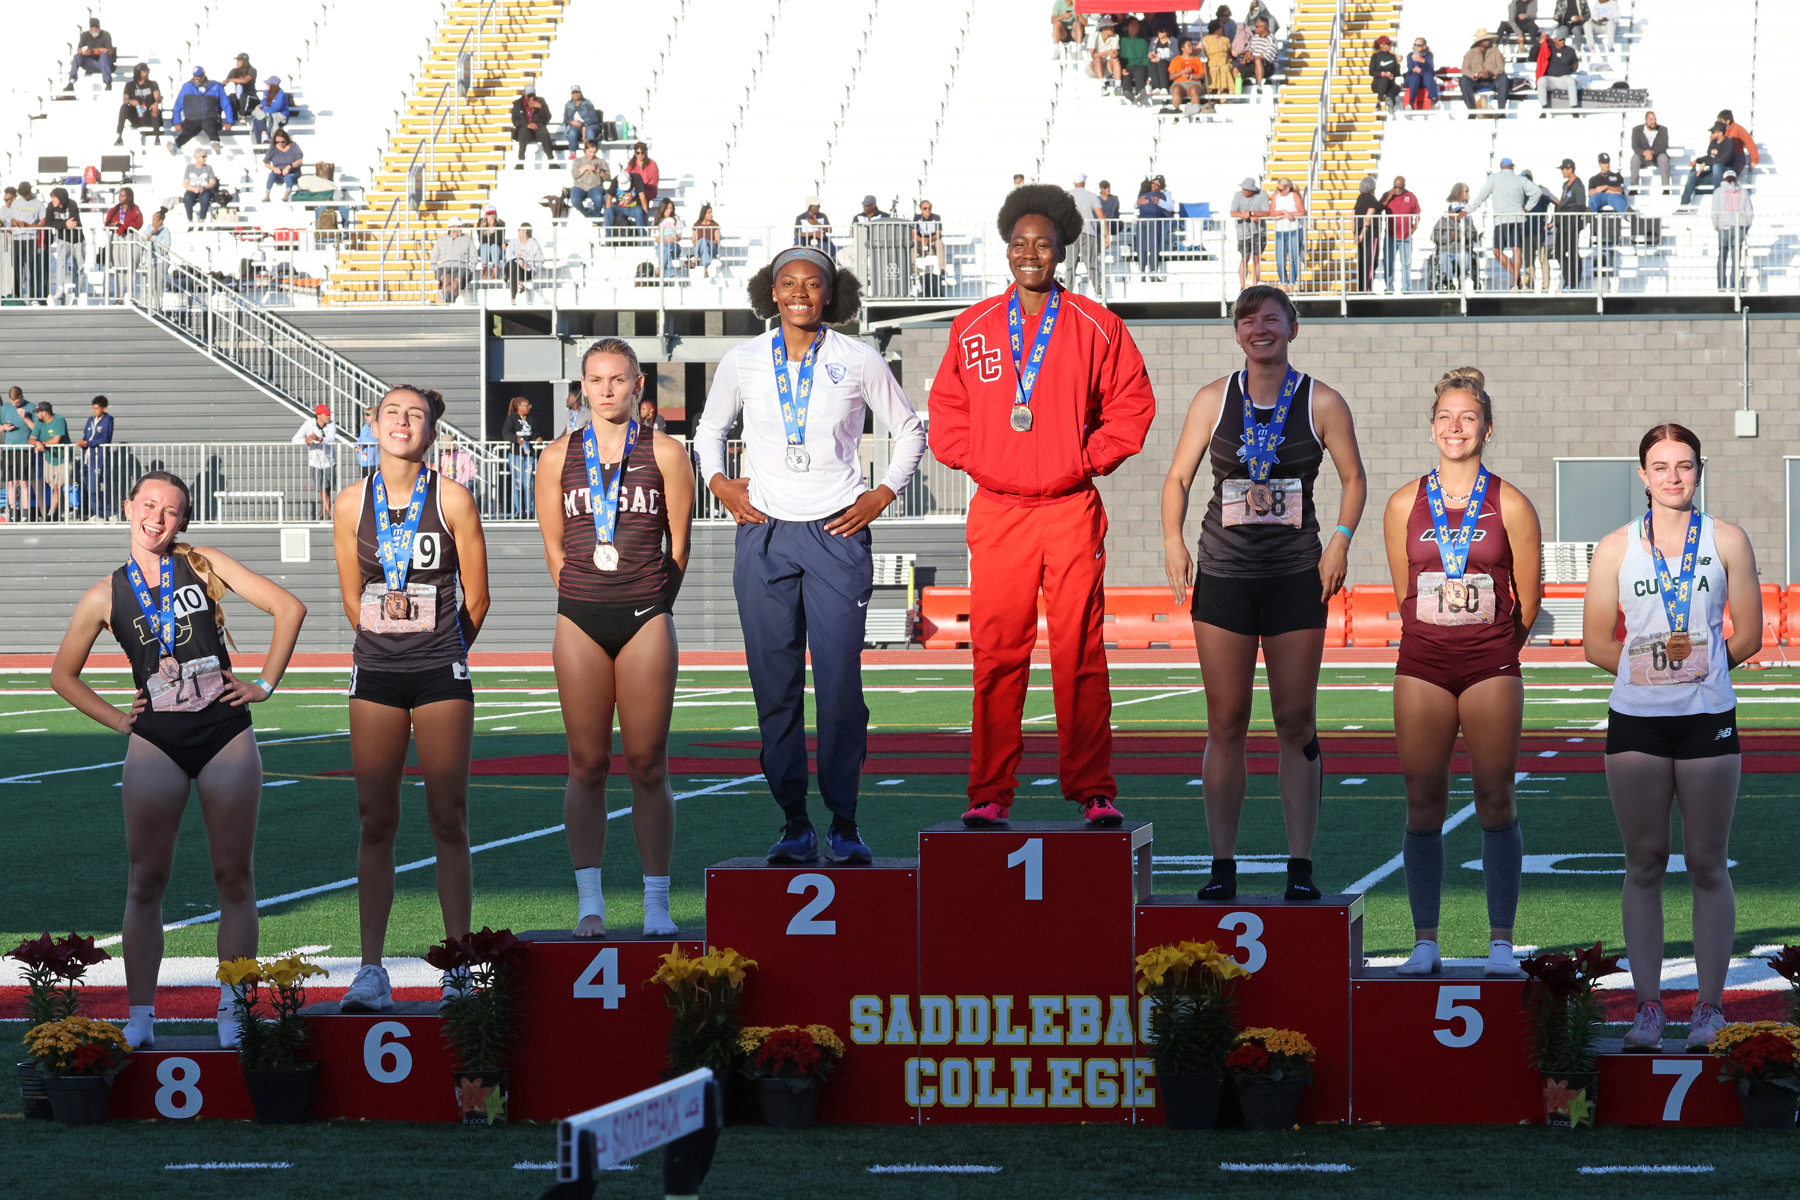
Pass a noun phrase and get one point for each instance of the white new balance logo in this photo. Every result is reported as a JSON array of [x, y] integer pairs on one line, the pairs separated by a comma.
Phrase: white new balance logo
[[1723, 734]]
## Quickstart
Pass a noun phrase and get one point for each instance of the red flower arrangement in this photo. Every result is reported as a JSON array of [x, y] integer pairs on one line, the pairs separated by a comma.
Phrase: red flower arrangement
[[1787, 965], [1247, 1060], [53, 968], [789, 1052], [1759, 1055], [481, 1012]]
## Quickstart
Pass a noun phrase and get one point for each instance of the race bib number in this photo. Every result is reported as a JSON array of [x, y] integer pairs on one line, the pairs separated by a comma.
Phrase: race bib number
[[1466, 601], [1651, 665], [186, 687], [1272, 502], [411, 611]]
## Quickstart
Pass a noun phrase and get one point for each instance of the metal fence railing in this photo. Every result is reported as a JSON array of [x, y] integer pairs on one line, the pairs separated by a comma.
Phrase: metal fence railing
[[288, 483]]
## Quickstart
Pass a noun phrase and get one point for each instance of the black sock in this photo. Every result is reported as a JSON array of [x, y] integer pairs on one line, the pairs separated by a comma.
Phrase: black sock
[[842, 827], [1223, 884], [1300, 881], [797, 820]]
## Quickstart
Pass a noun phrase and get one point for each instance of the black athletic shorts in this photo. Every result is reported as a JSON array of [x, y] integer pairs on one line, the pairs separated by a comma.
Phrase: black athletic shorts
[[1702, 735], [1260, 607], [191, 740], [1509, 235], [611, 626], [412, 689]]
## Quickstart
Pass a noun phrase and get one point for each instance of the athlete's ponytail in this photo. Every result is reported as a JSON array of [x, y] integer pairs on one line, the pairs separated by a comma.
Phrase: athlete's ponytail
[[215, 587]]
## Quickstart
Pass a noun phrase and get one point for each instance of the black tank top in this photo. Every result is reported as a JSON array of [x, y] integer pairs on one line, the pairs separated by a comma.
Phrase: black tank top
[[196, 637], [1244, 534], [641, 534], [433, 566]]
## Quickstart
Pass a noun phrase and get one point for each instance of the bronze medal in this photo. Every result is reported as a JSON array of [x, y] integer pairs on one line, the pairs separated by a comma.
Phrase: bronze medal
[[1261, 499], [395, 606], [1456, 594], [1021, 418], [606, 557], [168, 668], [1678, 647]]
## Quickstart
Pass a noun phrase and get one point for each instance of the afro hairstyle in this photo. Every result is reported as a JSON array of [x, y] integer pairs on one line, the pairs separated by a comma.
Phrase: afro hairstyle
[[846, 295], [1042, 200]]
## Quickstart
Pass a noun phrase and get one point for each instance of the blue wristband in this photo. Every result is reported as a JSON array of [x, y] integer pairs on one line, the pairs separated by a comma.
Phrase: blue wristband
[[1349, 534], [265, 685]]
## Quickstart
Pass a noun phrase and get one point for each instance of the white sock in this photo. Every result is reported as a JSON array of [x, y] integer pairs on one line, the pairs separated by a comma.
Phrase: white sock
[[588, 900], [1500, 958], [140, 1025], [1424, 960], [656, 906]]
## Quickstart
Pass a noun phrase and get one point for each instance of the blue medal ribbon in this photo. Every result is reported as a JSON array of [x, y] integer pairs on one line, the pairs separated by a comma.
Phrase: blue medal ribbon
[[1025, 371], [1454, 550], [395, 549], [161, 617], [603, 498], [794, 399], [1677, 593], [1262, 441]]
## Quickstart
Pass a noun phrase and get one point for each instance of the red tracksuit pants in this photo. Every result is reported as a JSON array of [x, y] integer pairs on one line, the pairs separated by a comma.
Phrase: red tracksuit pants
[[1014, 552]]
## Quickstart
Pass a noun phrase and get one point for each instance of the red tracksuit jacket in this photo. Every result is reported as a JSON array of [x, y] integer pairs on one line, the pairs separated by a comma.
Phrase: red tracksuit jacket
[[1091, 406]]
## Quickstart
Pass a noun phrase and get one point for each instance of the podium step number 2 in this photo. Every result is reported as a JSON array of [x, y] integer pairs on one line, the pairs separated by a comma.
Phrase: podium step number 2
[[684, 1114]]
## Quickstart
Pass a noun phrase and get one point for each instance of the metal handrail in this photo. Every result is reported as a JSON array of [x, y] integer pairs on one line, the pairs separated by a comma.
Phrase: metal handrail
[[1324, 113]]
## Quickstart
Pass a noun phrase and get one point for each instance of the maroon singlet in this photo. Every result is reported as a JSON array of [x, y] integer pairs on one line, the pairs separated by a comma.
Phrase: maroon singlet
[[1456, 656], [641, 534]]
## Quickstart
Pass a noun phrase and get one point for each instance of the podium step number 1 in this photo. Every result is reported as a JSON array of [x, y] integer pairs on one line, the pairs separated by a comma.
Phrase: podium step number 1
[[684, 1114]]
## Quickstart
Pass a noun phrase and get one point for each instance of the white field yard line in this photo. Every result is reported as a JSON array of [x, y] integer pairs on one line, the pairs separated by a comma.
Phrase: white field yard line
[[420, 864], [1647, 1169], [1315, 1168], [1399, 860], [34, 776], [1051, 716], [228, 1166], [934, 1169]]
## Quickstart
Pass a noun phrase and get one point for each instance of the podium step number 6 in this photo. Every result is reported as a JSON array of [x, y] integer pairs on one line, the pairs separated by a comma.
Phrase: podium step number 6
[[378, 1050], [1685, 1070], [1031, 857], [1449, 1010], [806, 921], [601, 979]]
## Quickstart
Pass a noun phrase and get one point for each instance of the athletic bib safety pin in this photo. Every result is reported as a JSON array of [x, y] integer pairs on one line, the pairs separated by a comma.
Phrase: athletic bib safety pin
[[794, 398], [1677, 593], [603, 499], [395, 549], [1454, 549], [1025, 372], [1261, 442], [161, 617]]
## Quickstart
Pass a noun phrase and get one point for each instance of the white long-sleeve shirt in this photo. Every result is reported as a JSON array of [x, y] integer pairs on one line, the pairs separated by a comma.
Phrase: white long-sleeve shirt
[[320, 455], [848, 377]]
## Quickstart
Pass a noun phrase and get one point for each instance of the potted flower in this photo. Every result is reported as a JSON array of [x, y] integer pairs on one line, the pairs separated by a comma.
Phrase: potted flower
[[1564, 1014], [269, 1045], [53, 968], [1271, 1068], [790, 1063], [1191, 1026], [1787, 965], [480, 1016], [80, 1056], [1763, 1059], [702, 994]]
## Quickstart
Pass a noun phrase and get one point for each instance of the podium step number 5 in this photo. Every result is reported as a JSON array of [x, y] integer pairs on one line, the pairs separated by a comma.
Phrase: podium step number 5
[[1031, 857], [1449, 1010]]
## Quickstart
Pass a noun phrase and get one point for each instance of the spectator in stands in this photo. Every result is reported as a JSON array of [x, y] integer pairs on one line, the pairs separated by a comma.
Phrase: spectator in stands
[[16, 426], [813, 228], [1403, 209], [1250, 209], [285, 163], [67, 273], [159, 228], [666, 232], [1571, 217], [523, 443], [576, 413], [1366, 228], [30, 250], [50, 442], [629, 205], [1572, 16], [1162, 53], [705, 243], [1221, 80], [1109, 209], [1537, 229], [1559, 70], [456, 464], [580, 121], [93, 54], [142, 105], [1453, 240], [1155, 226], [1723, 153], [928, 247], [1732, 213], [201, 106], [1085, 252], [1484, 70], [240, 86], [273, 113], [453, 261], [124, 216], [1259, 11], [319, 434], [1066, 25], [1187, 79], [1521, 21], [1607, 188], [198, 186], [1134, 61], [645, 168], [590, 180], [1287, 213], [649, 418], [1018, 180], [1420, 80], [490, 242], [870, 211], [1748, 156], [1509, 194], [368, 448], [531, 124], [1650, 148], [524, 259], [1227, 26], [1384, 73], [1259, 67], [1605, 25], [121, 220], [1103, 61]]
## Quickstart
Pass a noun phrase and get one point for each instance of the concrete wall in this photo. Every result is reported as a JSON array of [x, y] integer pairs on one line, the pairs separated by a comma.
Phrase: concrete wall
[[1562, 387]]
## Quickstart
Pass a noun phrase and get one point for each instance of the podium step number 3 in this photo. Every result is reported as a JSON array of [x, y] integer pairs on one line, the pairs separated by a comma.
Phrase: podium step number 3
[[684, 1114]]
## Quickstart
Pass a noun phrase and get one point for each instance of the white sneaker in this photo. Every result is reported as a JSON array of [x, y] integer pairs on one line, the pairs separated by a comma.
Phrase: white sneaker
[[1645, 1034], [1704, 1027], [230, 1032], [1501, 961], [1424, 960], [455, 983], [369, 991]]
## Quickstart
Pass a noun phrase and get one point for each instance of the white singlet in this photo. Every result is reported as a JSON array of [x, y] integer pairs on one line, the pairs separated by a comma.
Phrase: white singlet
[[1649, 683]]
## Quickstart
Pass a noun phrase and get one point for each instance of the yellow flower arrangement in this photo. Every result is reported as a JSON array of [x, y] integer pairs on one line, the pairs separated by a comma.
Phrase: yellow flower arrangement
[[1155, 965], [1279, 1041], [1742, 1031], [1271, 1054], [1190, 984], [703, 997], [77, 1045], [235, 971], [269, 1042]]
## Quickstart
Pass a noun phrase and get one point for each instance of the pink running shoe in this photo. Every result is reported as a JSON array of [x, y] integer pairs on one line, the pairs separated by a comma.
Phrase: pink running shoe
[[1645, 1034], [1100, 813], [1704, 1027], [986, 816]]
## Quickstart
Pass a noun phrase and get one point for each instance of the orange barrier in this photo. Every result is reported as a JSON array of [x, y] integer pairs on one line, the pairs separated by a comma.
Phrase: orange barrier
[[944, 618], [1790, 616], [1337, 619], [1374, 615], [1774, 605]]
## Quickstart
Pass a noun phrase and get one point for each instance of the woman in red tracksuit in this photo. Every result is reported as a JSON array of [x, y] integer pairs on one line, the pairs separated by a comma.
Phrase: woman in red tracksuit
[[1040, 390]]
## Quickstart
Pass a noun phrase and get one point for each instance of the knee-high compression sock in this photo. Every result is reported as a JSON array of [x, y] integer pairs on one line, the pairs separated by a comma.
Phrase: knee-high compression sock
[[1223, 884], [1502, 857], [1423, 854]]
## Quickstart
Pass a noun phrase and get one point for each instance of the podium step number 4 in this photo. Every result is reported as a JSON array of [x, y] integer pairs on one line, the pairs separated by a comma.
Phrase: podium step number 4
[[684, 1114]]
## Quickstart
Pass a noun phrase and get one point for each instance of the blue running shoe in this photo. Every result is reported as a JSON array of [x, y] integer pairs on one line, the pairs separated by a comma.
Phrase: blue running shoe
[[845, 845], [798, 844]]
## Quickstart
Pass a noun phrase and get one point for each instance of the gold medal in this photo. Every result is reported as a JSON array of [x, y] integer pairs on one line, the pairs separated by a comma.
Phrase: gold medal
[[1678, 647], [1261, 498], [1456, 594], [395, 606], [606, 557]]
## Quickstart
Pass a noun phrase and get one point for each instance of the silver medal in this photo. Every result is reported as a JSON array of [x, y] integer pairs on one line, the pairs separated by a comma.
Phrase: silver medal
[[798, 459], [1021, 418], [606, 556]]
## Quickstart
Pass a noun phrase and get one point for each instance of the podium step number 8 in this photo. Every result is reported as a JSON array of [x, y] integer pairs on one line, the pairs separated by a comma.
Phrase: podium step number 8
[[1031, 857], [178, 1097]]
